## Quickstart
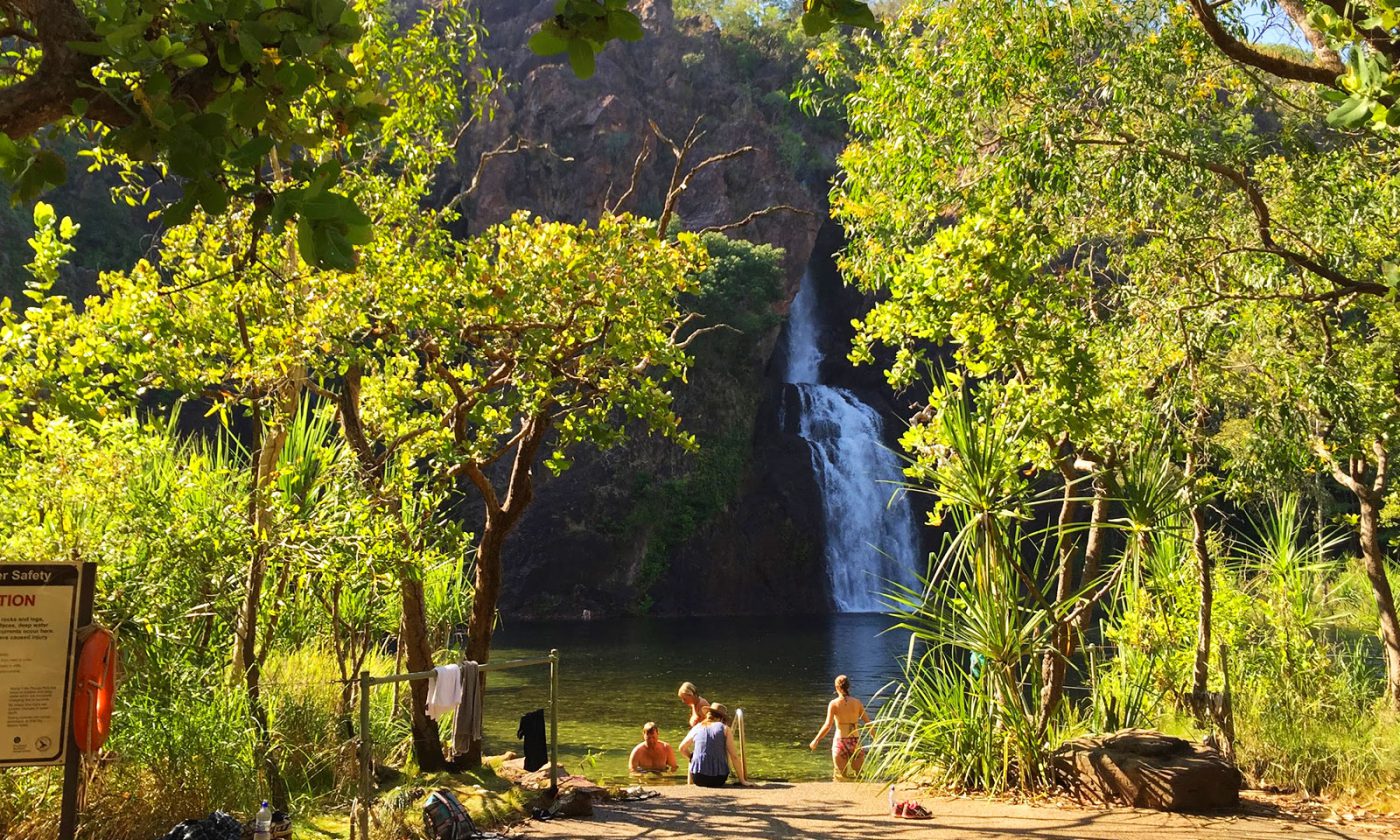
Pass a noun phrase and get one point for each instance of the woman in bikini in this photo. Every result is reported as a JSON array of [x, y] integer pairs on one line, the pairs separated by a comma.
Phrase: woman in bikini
[[845, 713]]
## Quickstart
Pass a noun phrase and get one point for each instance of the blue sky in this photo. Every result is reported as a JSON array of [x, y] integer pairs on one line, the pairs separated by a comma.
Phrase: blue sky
[[1269, 24]]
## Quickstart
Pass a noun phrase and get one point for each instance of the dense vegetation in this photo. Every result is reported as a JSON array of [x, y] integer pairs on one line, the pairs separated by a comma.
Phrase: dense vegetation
[[1161, 260], [1166, 280], [361, 406]]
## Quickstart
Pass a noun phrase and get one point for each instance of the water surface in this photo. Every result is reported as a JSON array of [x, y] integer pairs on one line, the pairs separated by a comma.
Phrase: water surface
[[616, 675]]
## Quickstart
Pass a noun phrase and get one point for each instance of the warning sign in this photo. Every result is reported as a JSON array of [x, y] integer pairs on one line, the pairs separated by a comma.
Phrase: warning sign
[[38, 604]]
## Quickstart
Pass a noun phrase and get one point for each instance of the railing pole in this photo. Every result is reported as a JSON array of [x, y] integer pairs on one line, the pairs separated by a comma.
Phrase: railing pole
[[366, 756], [553, 722]]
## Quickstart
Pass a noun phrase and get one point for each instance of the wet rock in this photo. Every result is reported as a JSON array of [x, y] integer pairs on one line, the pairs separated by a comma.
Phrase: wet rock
[[1146, 769]]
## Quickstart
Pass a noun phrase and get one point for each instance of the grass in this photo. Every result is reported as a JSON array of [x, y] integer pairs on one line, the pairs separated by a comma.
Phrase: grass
[[489, 799], [183, 750]]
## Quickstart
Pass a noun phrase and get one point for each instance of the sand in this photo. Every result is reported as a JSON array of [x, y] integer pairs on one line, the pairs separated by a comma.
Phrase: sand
[[836, 810]]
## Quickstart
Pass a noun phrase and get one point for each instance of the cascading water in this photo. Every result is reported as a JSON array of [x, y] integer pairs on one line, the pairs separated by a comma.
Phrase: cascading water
[[870, 540]]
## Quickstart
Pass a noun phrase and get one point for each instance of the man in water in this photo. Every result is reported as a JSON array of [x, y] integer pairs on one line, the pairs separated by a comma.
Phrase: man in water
[[846, 713], [652, 755]]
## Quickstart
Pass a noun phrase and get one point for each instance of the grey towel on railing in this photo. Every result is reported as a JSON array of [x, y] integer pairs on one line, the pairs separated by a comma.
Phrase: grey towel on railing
[[466, 727], [532, 730]]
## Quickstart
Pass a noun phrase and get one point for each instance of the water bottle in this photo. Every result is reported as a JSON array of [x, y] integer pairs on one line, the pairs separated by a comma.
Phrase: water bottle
[[262, 825], [891, 799]]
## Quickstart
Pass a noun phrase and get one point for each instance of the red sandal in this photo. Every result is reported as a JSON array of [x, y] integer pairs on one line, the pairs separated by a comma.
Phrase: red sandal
[[911, 811]]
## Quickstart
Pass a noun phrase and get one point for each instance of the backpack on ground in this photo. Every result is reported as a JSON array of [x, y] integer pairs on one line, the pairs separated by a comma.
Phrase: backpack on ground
[[444, 818]]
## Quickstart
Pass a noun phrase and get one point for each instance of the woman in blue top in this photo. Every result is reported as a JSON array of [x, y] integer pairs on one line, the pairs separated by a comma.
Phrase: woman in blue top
[[710, 745]]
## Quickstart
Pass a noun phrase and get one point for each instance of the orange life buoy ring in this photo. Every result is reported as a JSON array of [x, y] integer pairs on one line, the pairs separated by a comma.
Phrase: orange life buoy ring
[[96, 688]]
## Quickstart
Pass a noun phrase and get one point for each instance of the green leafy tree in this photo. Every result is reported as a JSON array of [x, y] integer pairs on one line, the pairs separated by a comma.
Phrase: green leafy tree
[[232, 99], [1354, 49], [218, 314], [462, 366], [1090, 202]]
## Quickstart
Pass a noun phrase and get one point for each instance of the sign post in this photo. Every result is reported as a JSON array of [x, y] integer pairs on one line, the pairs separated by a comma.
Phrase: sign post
[[42, 605], [72, 777], [38, 624]]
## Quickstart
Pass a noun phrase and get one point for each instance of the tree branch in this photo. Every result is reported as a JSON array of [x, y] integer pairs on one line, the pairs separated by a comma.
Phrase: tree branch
[[1340, 475], [1382, 461], [1262, 215], [1326, 56], [485, 488], [643, 155], [757, 214], [501, 150], [681, 345], [1378, 39], [1246, 54]]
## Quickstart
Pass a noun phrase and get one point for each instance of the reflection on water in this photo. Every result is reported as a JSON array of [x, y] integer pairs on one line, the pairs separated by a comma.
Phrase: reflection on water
[[616, 675]]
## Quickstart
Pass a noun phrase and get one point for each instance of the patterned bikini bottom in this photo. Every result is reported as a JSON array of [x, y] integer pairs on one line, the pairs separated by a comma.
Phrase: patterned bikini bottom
[[845, 746]]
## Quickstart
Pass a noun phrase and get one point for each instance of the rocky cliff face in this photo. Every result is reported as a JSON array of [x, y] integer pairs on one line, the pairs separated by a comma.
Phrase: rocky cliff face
[[737, 528], [680, 72]]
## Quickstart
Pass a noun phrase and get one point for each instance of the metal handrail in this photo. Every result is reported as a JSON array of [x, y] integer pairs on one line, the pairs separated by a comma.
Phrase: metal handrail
[[489, 666], [368, 681]]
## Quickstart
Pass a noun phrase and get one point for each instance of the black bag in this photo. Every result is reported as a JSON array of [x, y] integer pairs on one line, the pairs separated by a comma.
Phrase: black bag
[[216, 826], [532, 730]]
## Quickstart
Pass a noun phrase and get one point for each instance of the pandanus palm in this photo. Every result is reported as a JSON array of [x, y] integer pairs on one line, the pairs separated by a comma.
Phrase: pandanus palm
[[964, 711]]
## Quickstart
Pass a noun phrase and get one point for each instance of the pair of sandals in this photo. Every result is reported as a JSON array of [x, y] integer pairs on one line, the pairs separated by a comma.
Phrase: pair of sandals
[[911, 810]]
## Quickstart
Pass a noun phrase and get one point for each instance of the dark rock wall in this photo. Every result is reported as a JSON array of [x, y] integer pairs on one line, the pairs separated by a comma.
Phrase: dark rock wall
[[594, 128]]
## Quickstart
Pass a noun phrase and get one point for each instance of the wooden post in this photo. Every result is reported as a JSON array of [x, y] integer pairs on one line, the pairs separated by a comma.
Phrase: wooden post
[[554, 723], [72, 776], [366, 759], [1227, 707]]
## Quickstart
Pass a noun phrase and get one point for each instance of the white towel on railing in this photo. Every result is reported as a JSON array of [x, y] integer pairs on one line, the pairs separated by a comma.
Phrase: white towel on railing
[[444, 690]]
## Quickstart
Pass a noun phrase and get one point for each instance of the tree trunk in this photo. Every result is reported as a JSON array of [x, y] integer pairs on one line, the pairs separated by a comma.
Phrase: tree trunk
[[246, 661], [1055, 660], [427, 742], [502, 515], [1205, 566], [1093, 549], [1373, 557], [414, 646], [1369, 497], [483, 618]]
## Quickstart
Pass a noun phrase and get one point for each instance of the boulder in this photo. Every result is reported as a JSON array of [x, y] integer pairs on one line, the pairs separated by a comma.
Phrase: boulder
[[1147, 769]]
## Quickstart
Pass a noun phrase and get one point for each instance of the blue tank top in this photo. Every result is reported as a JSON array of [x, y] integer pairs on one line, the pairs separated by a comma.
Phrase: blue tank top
[[709, 757]]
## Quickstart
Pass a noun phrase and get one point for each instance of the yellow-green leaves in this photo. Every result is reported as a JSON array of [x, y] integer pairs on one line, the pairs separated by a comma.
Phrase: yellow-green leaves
[[581, 28]]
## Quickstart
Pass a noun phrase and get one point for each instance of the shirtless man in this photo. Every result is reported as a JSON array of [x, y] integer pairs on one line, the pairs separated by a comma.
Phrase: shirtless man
[[846, 713], [652, 755], [690, 695]]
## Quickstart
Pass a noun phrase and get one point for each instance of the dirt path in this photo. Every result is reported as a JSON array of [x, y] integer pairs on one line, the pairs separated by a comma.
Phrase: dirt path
[[831, 810]]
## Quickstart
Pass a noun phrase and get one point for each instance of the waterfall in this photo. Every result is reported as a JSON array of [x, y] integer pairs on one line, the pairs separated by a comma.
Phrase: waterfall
[[869, 540]]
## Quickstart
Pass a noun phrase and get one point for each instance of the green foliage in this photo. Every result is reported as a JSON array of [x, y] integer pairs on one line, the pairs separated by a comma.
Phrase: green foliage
[[1304, 695], [1067, 265], [227, 97], [1151, 258], [672, 510], [738, 16], [165, 520], [1366, 34], [671, 502], [581, 28], [739, 286], [965, 711]]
